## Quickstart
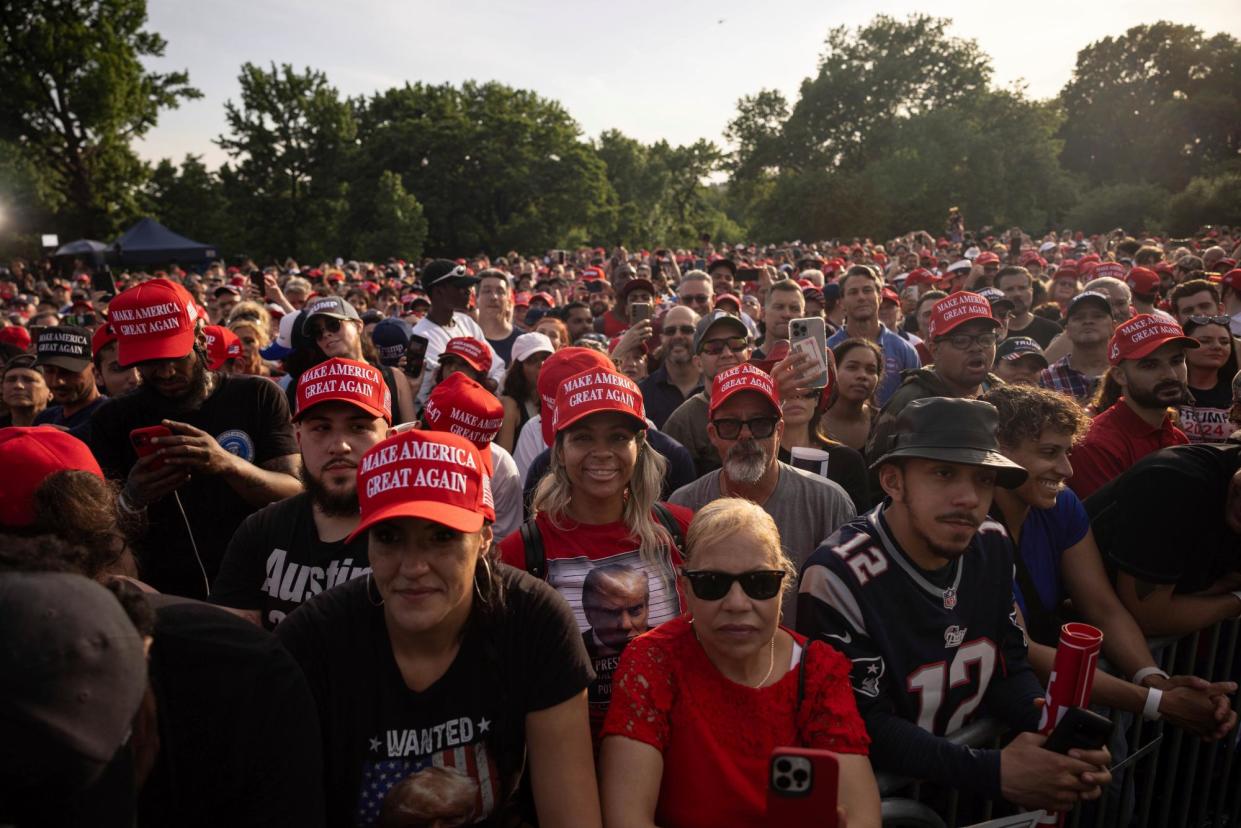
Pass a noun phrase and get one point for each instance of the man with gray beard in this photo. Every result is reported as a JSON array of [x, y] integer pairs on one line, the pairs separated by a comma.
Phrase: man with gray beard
[[745, 424]]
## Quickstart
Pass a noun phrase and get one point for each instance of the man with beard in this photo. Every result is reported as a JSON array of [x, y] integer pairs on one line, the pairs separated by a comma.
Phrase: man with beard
[[1148, 367], [745, 425], [962, 339], [64, 352], [290, 551], [230, 449], [917, 593], [677, 378]]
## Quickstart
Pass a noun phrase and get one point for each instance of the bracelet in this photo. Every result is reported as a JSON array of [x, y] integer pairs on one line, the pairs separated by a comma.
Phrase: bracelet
[[123, 500], [1148, 671], [1150, 710]]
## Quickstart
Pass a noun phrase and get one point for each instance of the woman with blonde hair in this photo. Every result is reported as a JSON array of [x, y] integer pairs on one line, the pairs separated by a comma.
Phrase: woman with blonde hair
[[252, 324], [599, 536], [699, 704]]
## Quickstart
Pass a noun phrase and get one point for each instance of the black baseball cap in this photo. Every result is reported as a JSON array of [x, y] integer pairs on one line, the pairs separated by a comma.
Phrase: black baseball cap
[[1088, 297], [716, 319], [1019, 347], [446, 272], [64, 346]]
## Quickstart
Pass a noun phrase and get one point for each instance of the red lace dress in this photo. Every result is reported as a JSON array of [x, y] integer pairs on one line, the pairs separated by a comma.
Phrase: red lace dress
[[716, 735]]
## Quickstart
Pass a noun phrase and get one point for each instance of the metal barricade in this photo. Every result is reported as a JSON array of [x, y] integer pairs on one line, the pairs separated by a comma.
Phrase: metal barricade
[[1166, 778]]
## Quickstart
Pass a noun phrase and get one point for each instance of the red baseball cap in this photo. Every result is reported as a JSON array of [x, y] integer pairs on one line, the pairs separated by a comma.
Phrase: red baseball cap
[[1164, 267], [743, 377], [889, 295], [222, 345], [344, 380], [433, 475], [29, 455], [153, 320], [1232, 279], [1143, 281], [556, 369], [591, 273], [477, 354], [987, 258], [957, 309], [15, 335], [596, 391], [1137, 337], [728, 297], [546, 297], [1116, 270], [920, 276], [462, 406], [102, 338]]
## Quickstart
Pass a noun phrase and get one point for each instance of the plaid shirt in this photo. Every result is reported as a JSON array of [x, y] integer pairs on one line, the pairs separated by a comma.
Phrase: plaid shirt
[[1063, 377]]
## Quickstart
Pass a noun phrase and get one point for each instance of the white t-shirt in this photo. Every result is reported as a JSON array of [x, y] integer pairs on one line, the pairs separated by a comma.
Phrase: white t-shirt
[[529, 445], [437, 337], [506, 482]]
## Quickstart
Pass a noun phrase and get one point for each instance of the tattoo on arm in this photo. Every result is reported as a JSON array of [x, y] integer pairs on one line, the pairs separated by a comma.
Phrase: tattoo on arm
[[1144, 589], [289, 464]]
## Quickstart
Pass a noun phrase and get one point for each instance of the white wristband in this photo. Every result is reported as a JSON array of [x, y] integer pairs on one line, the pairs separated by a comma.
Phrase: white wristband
[[1148, 671], [1150, 710]]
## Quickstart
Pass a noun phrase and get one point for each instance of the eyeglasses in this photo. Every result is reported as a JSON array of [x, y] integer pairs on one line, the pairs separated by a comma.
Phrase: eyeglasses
[[695, 299], [715, 347], [1210, 320], [760, 427], [330, 325], [673, 330], [760, 584], [963, 342]]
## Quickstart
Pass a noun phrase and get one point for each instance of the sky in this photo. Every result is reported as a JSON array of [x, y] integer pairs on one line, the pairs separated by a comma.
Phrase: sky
[[673, 69]]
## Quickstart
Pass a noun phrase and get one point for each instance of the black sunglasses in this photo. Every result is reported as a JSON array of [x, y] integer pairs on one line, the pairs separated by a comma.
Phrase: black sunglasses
[[760, 584], [715, 347], [672, 330], [695, 298], [760, 427], [330, 324], [1210, 320]]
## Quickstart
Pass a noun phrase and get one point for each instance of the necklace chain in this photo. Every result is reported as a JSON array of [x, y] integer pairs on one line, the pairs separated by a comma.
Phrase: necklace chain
[[771, 664]]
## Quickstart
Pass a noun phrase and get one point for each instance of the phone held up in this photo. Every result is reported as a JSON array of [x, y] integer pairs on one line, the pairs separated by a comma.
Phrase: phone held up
[[639, 311], [809, 336], [415, 355], [140, 439], [802, 788]]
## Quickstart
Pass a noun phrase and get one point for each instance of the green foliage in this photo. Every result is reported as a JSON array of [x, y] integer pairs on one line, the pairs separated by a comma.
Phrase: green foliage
[[1206, 201], [75, 95], [291, 139], [395, 225], [1160, 103], [190, 200], [1135, 207]]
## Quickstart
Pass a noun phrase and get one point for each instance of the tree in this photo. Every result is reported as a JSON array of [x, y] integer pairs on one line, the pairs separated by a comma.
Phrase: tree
[[393, 220], [75, 95], [1161, 103], [291, 140], [1215, 200], [1134, 206], [495, 168], [190, 200]]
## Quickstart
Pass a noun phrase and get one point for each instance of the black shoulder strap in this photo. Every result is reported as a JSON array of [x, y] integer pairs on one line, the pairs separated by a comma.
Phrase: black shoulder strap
[[536, 556], [801, 676], [669, 521]]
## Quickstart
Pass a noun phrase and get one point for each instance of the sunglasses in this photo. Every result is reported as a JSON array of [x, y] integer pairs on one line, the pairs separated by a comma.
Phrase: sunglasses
[[1210, 320], [695, 298], [330, 325], [760, 427], [715, 347], [673, 330], [760, 584]]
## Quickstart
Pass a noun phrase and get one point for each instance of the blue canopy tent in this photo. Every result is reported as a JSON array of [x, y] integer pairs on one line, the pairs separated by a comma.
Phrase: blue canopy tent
[[82, 248], [148, 243]]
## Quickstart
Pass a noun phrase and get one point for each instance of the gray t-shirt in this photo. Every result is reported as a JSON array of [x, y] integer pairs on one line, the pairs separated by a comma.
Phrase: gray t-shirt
[[807, 509]]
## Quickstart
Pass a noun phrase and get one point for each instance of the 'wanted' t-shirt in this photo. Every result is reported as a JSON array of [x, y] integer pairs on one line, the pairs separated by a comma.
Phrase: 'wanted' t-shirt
[[275, 561], [459, 742]]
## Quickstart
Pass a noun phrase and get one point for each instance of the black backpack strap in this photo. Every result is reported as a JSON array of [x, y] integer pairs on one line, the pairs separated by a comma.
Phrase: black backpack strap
[[536, 556], [669, 522], [801, 677]]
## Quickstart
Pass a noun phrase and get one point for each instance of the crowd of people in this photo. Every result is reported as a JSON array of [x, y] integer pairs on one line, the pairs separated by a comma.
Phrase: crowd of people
[[581, 538]]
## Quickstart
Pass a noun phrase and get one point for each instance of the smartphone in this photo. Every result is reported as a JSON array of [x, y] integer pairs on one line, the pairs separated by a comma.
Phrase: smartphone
[[140, 438], [748, 274], [1080, 728], [101, 281], [415, 355], [802, 788], [560, 254], [809, 335], [639, 311], [256, 279]]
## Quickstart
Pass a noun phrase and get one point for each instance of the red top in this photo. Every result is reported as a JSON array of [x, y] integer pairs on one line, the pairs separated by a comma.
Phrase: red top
[[1117, 439], [716, 735], [627, 597], [613, 325]]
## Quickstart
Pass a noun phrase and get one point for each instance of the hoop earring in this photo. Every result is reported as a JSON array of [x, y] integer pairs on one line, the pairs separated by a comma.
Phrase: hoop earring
[[380, 603]]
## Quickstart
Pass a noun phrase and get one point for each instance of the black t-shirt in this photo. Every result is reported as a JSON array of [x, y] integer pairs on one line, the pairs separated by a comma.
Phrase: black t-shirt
[[276, 561], [465, 734], [1041, 330], [248, 417], [239, 738], [1162, 521], [504, 347]]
